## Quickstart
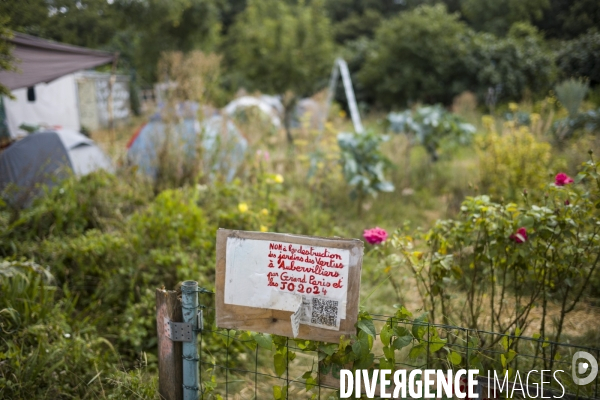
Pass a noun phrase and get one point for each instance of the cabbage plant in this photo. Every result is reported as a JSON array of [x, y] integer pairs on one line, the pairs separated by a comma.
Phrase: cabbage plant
[[431, 125]]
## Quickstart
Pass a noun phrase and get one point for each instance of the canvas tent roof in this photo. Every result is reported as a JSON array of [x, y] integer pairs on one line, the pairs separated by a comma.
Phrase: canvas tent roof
[[42, 61], [45, 158]]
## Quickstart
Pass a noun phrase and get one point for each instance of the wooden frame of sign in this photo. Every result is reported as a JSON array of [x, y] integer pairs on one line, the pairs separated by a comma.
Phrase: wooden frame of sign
[[265, 283]]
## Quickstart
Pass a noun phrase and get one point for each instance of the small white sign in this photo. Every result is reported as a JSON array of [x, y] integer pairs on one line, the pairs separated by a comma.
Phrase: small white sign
[[277, 275]]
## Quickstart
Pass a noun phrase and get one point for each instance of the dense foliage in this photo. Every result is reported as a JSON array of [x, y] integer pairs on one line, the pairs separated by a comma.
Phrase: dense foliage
[[401, 49]]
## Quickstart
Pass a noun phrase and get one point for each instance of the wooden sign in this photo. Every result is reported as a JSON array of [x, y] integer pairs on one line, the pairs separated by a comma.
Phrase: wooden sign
[[291, 285]]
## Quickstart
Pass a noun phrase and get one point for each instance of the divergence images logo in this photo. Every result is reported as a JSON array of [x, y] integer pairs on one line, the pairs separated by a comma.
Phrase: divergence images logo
[[582, 367]]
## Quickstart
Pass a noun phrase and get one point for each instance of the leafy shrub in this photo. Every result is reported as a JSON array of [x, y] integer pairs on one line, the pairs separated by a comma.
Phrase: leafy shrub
[[363, 164], [580, 57], [98, 200], [570, 127], [513, 162], [46, 350], [432, 125], [529, 255], [571, 93]]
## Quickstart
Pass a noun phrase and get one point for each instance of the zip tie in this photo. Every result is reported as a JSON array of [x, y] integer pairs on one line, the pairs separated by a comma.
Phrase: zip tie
[[196, 388], [191, 358]]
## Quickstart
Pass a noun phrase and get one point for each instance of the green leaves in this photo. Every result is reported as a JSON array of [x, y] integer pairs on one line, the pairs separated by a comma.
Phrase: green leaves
[[420, 326], [386, 335], [279, 392], [363, 163], [418, 351], [366, 325], [279, 47], [455, 358], [402, 341], [281, 360], [432, 126], [264, 340]]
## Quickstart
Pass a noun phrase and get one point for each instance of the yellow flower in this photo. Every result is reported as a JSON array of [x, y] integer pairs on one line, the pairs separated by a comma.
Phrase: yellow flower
[[342, 114], [418, 254], [243, 207], [387, 269], [488, 123], [278, 178], [301, 142], [509, 124], [513, 106], [443, 248], [263, 228], [264, 211]]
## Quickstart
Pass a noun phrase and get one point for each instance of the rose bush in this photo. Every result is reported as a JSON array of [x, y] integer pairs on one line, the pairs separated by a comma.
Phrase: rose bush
[[510, 258]]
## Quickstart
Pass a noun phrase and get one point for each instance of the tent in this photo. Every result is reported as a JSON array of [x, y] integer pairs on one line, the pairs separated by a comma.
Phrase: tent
[[44, 158], [221, 142], [270, 106]]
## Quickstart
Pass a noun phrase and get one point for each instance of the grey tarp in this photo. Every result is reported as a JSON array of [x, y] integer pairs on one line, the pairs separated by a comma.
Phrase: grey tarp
[[44, 159], [42, 61]]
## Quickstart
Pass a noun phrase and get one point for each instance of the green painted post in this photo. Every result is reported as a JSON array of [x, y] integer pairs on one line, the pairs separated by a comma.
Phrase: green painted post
[[189, 300]]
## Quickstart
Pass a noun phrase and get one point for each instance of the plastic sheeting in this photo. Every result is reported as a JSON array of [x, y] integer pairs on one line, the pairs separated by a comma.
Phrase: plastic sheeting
[[222, 144]]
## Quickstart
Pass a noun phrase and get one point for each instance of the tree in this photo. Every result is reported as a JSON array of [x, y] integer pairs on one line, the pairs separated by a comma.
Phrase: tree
[[88, 23], [431, 56], [580, 58], [282, 48], [568, 19], [515, 63], [497, 16], [157, 26], [6, 58], [417, 55]]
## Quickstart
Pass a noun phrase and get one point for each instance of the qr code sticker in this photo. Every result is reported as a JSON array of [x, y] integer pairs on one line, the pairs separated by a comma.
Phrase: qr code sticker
[[324, 312]]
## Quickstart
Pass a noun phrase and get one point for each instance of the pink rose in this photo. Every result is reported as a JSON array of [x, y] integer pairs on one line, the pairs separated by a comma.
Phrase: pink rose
[[562, 179], [520, 236], [375, 235]]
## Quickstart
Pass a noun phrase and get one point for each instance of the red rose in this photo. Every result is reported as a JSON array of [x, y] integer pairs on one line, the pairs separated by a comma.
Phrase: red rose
[[562, 179], [375, 235], [520, 236]]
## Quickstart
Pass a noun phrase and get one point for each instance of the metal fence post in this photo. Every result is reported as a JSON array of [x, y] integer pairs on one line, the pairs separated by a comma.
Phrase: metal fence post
[[189, 300]]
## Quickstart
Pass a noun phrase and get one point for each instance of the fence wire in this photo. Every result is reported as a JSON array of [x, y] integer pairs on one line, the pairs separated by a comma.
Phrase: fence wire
[[232, 367]]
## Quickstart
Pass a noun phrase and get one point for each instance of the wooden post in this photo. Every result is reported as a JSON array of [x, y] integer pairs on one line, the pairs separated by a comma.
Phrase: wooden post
[[111, 83], [170, 354]]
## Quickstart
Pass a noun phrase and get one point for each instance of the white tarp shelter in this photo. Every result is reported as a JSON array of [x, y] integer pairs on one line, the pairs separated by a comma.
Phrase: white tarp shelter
[[51, 89]]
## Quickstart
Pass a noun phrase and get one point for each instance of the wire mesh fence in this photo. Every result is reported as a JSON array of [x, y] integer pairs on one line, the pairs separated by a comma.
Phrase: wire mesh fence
[[245, 365]]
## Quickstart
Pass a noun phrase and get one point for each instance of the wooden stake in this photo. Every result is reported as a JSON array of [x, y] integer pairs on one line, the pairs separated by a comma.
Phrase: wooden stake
[[170, 355]]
